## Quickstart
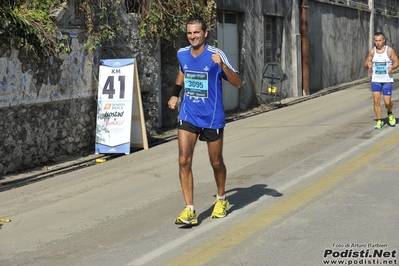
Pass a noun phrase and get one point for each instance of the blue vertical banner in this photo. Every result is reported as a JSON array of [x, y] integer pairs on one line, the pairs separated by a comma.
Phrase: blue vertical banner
[[114, 106]]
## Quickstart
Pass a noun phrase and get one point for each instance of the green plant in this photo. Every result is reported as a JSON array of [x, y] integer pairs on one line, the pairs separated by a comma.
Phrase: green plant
[[103, 21], [29, 24], [166, 18]]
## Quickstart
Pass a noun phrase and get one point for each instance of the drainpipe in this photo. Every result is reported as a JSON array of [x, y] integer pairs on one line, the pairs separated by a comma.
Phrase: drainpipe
[[159, 83], [371, 33], [296, 49], [305, 47]]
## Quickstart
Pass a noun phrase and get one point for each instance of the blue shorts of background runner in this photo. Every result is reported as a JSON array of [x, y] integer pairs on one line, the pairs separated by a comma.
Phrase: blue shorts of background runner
[[384, 87]]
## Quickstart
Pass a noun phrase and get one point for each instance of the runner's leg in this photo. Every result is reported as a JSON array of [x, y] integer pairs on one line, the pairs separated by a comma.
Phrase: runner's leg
[[215, 150], [186, 142]]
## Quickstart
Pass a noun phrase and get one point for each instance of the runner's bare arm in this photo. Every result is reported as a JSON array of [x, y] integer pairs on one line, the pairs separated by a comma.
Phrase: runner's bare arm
[[180, 79], [233, 77], [392, 55], [368, 62], [172, 103]]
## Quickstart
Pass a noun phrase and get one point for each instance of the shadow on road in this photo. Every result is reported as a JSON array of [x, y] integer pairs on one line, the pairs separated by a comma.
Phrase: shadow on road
[[241, 197]]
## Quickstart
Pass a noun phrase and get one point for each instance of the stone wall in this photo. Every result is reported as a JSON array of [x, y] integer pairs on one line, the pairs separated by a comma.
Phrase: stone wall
[[40, 134], [48, 107]]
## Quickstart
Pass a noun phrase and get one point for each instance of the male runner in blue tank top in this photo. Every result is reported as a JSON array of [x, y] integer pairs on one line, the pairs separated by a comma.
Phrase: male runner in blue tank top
[[381, 61], [201, 70]]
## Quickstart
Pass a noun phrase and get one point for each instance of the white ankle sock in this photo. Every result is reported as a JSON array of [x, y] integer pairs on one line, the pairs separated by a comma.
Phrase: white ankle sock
[[221, 197], [191, 207]]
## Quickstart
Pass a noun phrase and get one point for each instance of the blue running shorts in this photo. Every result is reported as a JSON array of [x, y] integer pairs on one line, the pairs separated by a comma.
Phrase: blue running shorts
[[384, 87]]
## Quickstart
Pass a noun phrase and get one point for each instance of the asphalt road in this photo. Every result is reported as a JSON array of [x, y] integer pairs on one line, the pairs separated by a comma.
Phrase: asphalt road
[[312, 183]]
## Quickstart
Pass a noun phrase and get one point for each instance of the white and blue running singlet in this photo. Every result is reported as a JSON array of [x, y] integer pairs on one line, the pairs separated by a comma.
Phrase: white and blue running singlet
[[381, 62], [202, 103]]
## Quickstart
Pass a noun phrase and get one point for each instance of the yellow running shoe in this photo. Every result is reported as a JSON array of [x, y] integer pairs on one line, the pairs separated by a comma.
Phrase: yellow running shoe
[[219, 210], [379, 125], [392, 120], [187, 216]]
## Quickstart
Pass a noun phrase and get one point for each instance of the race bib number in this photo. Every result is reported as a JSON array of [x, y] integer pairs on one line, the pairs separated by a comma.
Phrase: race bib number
[[381, 68], [196, 84]]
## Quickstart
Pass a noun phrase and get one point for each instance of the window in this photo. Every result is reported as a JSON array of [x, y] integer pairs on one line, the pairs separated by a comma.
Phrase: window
[[273, 39], [270, 43], [227, 18]]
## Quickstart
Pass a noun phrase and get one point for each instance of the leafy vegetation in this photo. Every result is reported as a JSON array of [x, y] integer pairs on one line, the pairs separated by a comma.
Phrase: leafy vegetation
[[28, 24], [103, 21], [165, 19], [31, 25]]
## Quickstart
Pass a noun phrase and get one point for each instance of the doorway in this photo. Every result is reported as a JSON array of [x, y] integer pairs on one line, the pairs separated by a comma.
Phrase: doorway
[[227, 36]]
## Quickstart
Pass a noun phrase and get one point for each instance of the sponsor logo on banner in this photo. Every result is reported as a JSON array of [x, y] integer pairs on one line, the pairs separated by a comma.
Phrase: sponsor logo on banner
[[113, 114], [114, 122]]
